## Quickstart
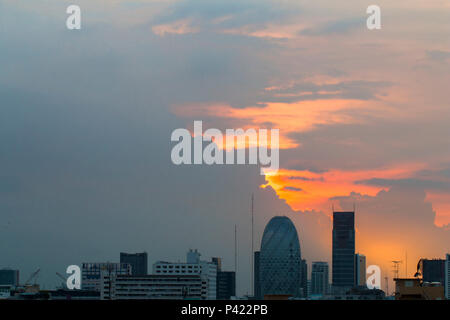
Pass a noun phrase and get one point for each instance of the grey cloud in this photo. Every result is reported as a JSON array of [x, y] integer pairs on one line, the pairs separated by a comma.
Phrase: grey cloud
[[360, 90], [238, 12], [408, 183], [288, 188], [438, 55], [336, 27]]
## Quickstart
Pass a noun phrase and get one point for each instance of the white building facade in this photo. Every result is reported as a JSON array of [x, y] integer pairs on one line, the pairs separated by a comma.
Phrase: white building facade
[[92, 273], [161, 286], [193, 266]]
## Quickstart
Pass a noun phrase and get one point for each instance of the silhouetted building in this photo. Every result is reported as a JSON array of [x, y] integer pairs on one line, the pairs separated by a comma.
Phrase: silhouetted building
[[304, 278], [226, 285], [138, 262], [226, 281], [360, 270], [256, 279], [343, 268], [416, 289], [280, 259], [9, 277], [92, 273], [447, 276], [218, 262], [432, 270], [66, 294], [319, 278]]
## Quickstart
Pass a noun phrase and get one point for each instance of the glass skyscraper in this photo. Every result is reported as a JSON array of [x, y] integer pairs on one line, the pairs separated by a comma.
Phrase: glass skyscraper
[[343, 250], [280, 259]]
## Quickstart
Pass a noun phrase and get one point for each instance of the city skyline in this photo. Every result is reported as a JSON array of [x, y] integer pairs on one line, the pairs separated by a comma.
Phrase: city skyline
[[86, 118]]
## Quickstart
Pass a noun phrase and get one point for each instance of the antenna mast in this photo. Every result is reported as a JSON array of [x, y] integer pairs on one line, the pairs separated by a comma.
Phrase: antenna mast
[[396, 267], [235, 249], [253, 252]]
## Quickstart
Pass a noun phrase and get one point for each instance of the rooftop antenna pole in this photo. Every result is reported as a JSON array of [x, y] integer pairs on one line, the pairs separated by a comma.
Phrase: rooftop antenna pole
[[235, 249], [387, 285], [252, 256], [396, 267], [406, 264]]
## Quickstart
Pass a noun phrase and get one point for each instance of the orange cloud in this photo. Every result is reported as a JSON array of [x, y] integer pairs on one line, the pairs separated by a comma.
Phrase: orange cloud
[[290, 118], [306, 190], [177, 27]]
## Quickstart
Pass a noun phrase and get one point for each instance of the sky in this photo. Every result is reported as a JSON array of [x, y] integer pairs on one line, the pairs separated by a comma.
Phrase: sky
[[86, 118]]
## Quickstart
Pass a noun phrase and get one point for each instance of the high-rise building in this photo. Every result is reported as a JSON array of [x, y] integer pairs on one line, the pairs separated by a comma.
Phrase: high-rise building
[[304, 279], [319, 278], [218, 262], [280, 259], [226, 285], [226, 281], [360, 270], [9, 277], [447, 276], [432, 270], [343, 268], [256, 279], [92, 273], [193, 265], [138, 262]]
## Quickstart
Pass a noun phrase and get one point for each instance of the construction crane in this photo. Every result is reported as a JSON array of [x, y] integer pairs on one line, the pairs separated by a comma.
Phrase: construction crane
[[64, 283], [33, 276]]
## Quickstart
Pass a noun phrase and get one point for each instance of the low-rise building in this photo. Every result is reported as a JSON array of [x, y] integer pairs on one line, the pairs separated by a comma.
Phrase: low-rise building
[[416, 289], [192, 266], [156, 286], [91, 273]]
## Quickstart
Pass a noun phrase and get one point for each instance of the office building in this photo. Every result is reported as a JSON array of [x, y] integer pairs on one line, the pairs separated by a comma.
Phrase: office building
[[138, 262], [280, 260], [304, 279], [447, 276], [432, 270], [9, 277], [193, 265], [416, 289], [319, 278], [358, 293], [226, 285], [155, 286], [360, 270], [226, 281], [343, 268], [218, 262], [91, 273]]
